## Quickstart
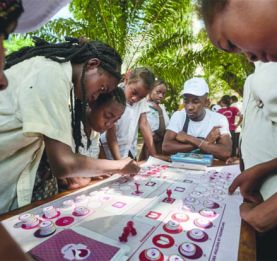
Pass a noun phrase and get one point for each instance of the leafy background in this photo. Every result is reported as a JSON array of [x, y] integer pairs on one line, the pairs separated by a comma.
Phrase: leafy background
[[159, 34]]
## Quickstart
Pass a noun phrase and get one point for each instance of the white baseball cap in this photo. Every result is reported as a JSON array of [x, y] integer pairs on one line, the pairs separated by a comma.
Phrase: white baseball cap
[[195, 86]]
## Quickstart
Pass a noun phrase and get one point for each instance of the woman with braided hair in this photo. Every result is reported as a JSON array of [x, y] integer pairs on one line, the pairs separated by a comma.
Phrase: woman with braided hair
[[50, 87], [102, 115]]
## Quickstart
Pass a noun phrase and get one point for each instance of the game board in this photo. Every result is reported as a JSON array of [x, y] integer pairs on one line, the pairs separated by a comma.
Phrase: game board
[[178, 214]]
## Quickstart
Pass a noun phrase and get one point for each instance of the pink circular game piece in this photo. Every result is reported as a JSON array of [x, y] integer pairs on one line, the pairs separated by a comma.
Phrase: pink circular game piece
[[210, 204], [217, 191], [189, 199], [64, 221], [196, 193], [175, 258], [29, 221], [203, 222], [163, 241], [50, 212], [68, 204], [197, 235], [172, 227], [190, 250], [188, 207], [180, 217], [206, 212], [46, 228], [80, 211], [81, 200], [151, 254]]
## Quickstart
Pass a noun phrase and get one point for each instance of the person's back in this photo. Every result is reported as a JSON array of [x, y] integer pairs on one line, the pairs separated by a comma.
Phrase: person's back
[[230, 113]]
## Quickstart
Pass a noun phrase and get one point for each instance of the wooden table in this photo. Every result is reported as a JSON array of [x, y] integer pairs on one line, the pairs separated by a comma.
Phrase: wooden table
[[247, 246]]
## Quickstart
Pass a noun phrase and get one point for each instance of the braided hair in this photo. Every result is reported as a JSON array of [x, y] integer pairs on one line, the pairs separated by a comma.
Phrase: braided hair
[[104, 99], [77, 51]]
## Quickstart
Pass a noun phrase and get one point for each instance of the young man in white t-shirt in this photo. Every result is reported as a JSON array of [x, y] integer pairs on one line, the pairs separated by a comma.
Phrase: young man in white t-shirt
[[196, 127]]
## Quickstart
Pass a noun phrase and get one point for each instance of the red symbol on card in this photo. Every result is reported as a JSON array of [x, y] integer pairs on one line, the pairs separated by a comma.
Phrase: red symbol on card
[[75, 252], [64, 221], [153, 215], [163, 241]]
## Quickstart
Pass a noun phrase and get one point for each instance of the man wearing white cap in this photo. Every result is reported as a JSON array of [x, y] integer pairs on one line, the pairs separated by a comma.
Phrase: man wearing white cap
[[197, 127]]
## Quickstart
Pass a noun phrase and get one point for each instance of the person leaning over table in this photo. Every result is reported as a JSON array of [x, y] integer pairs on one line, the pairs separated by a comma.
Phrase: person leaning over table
[[197, 127], [46, 99]]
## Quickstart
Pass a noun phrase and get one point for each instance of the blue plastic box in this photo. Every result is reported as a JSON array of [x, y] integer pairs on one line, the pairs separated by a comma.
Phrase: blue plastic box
[[193, 158]]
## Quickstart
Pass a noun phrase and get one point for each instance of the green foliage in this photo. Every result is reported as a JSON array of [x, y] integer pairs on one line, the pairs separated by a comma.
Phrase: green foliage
[[16, 42], [154, 33]]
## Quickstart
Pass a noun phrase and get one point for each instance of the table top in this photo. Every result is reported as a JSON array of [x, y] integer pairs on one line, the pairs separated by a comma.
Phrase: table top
[[247, 246]]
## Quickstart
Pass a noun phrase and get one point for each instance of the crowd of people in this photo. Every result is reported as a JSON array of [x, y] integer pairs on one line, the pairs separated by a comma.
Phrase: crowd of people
[[67, 114]]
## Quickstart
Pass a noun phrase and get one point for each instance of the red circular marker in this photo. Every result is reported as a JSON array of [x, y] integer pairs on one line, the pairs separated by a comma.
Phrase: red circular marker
[[180, 217], [171, 231], [163, 241], [64, 221], [203, 223], [24, 226], [151, 254]]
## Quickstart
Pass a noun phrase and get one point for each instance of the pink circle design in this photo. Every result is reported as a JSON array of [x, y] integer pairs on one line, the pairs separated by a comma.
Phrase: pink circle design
[[143, 257], [198, 252], [64, 221], [163, 241], [179, 219], [27, 227], [205, 237], [175, 231], [203, 223]]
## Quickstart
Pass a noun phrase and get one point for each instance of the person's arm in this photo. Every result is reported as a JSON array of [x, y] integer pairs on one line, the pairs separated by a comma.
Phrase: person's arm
[[112, 143], [261, 217], [9, 249], [65, 164], [147, 134], [240, 118], [251, 179], [222, 149], [171, 145]]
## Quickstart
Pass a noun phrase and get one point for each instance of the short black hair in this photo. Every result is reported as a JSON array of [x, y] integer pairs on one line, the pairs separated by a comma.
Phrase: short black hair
[[234, 98]]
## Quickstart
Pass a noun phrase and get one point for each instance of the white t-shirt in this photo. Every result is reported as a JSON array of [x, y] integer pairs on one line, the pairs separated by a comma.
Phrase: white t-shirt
[[36, 103], [199, 129], [126, 129], [259, 132], [153, 117], [93, 150]]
